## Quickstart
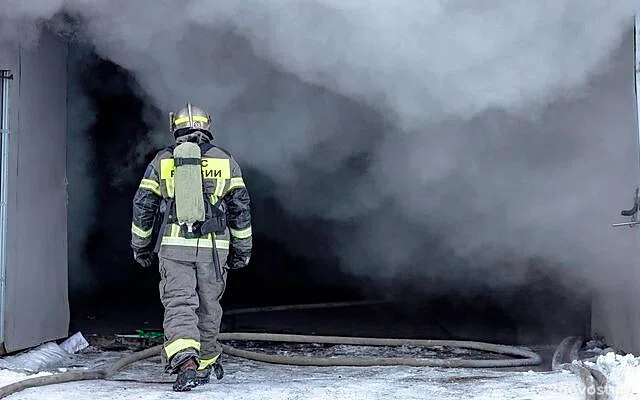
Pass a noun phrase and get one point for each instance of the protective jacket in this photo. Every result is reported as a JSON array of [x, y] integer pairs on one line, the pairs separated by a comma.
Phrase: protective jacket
[[226, 197]]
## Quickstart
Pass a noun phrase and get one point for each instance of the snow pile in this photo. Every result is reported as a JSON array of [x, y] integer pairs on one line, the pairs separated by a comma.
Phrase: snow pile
[[623, 375]]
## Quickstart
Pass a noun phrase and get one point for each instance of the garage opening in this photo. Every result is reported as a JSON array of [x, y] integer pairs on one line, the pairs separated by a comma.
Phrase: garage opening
[[115, 130]]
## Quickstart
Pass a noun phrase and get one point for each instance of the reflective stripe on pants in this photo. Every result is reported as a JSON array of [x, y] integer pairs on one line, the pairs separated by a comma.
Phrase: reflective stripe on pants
[[206, 362]]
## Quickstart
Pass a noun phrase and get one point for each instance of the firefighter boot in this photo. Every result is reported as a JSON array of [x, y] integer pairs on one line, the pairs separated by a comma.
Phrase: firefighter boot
[[186, 379]]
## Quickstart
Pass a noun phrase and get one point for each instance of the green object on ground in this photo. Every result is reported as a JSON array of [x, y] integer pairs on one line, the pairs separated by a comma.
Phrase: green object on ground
[[150, 334]]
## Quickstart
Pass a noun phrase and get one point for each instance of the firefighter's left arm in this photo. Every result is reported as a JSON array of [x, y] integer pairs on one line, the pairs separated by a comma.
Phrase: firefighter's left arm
[[146, 203], [238, 211]]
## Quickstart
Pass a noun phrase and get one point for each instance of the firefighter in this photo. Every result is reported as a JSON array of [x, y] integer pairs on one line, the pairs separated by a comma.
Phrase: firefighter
[[195, 191]]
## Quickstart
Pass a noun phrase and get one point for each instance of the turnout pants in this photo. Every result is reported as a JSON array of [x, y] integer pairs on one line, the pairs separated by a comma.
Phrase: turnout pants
[[190, 294]]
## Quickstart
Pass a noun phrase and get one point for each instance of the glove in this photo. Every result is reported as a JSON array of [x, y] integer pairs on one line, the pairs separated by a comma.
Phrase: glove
[[235, 261], [143, 257]]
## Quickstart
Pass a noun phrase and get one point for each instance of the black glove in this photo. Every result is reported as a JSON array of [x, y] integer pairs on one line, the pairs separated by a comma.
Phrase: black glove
[[143, 257], [235, 261]]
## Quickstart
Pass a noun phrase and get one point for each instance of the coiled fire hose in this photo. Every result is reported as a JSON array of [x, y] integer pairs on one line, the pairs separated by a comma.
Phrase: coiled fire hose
[[526, 357]]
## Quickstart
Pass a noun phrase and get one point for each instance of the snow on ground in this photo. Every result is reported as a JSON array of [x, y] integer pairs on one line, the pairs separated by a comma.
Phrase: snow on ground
[[8, 377], [250, 380], [623, 375]]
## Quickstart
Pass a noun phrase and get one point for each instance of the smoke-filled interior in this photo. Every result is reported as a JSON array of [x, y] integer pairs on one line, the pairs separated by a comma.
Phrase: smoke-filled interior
[[463, 159]]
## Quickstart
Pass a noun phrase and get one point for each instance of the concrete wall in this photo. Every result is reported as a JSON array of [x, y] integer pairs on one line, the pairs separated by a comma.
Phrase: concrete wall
[[35, 303]]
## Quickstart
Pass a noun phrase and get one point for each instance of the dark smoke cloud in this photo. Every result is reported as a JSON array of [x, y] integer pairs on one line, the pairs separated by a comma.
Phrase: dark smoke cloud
[[499, 126], [81, 183]]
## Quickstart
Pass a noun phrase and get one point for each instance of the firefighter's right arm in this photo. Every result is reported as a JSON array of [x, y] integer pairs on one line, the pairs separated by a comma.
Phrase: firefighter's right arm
[[146, 203], [238, 212]]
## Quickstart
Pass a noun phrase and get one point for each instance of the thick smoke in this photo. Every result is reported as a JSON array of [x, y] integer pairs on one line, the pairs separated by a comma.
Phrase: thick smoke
[[81, 195], [497, 133]]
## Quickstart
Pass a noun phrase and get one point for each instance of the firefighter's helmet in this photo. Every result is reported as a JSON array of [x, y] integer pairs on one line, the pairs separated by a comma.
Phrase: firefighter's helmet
[[190, 121]]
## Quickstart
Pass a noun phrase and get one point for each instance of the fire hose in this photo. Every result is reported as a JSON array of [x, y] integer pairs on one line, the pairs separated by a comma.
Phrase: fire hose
[[525, 357]]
